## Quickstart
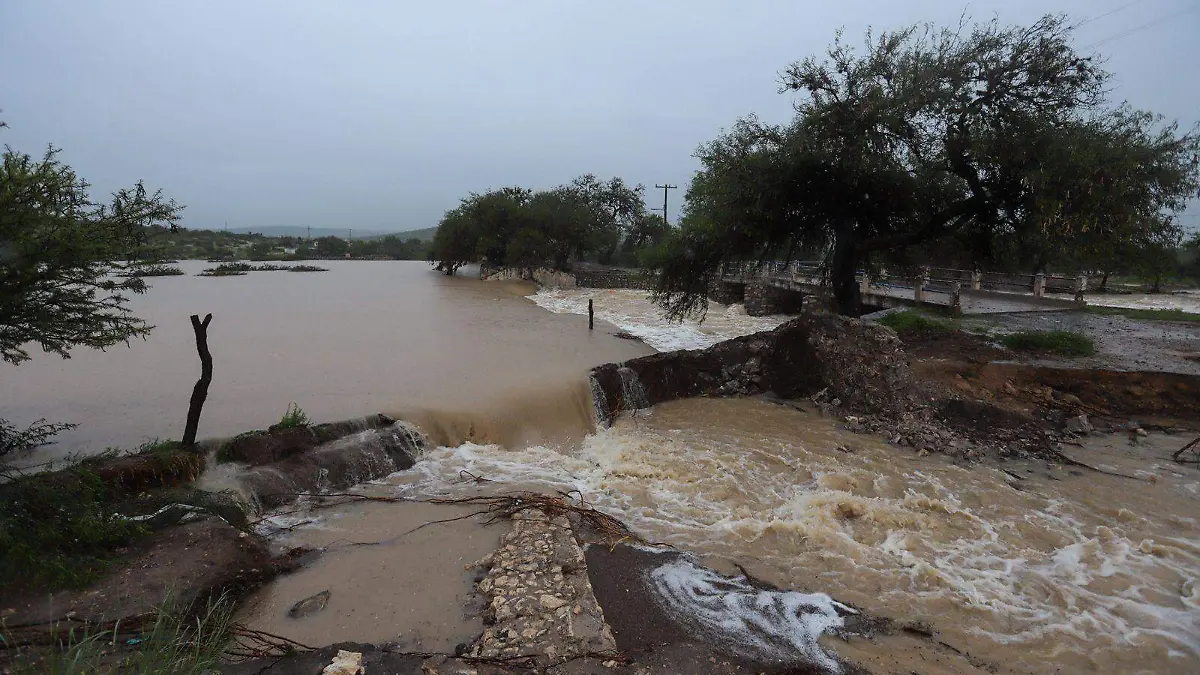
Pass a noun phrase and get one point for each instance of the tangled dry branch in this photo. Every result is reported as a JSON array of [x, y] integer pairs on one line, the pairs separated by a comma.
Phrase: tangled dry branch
[[1194, 446]]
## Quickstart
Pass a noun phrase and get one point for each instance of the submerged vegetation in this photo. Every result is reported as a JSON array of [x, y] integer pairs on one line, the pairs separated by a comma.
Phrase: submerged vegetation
[[235, 269], [152, 270], [1058, 342]]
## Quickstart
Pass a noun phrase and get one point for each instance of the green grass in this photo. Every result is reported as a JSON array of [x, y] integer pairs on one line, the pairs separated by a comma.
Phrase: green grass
[[1145, 314], [306, 268], [914, 323], [294, 417], [178, 642], [1061, 342]]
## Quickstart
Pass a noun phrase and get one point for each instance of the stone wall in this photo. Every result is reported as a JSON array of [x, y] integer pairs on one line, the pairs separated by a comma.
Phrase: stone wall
[[542, 276], [763, 299], [862, 365], [613, 278], [727, 292]]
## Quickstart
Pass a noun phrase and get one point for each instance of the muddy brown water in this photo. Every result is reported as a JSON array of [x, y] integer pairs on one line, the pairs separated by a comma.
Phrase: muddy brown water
[[464, 357], [1063, 571], [1054, 573]]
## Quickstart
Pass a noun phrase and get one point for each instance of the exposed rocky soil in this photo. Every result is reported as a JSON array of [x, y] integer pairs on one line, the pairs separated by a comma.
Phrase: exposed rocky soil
[[1121, 343]]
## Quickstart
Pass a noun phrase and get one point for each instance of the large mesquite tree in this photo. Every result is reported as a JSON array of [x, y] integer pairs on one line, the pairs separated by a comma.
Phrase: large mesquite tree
[[60, 256], [984, 133]]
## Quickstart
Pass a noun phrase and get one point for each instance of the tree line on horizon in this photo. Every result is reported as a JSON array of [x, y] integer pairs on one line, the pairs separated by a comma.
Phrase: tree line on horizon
[[979, 146], [587, 219], [163, 243]]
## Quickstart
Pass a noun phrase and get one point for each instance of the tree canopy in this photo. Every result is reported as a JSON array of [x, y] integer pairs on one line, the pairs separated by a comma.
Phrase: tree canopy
[[59, 253], [586, 219], [1000, 138]]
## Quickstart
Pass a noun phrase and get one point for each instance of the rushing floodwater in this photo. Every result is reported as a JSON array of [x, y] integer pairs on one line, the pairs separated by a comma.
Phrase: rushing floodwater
[[1071, 573]]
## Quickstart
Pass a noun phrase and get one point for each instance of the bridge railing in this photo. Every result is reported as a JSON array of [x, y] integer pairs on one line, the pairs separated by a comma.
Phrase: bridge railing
[[946, 281]]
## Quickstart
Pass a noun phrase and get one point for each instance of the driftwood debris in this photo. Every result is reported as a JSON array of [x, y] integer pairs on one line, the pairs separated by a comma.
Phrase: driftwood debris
[[200, 392], [1194, 446]]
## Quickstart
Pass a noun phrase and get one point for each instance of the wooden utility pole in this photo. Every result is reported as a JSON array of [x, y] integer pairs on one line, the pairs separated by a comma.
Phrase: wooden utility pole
[[665, 188], [200, 392]]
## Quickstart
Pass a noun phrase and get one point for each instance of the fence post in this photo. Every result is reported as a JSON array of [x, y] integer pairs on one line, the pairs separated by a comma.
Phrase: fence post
[[976, 280], [919, 286], [1039, 285]]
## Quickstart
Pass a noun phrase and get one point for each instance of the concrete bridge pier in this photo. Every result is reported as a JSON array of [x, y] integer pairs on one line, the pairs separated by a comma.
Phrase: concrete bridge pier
[[727, 292], [763, 298]]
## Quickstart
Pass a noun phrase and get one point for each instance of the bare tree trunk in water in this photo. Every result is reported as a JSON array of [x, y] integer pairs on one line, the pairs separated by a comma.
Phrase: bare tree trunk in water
[[200, 392]]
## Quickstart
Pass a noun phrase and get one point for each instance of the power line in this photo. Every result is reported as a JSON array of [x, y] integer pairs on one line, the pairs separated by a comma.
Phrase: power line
[[1108, 13], [1142, 27]]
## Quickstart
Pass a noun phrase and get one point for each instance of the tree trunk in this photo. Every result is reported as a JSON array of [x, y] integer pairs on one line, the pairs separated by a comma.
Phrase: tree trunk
[[200, 392], [843, 268], [1104, 282]]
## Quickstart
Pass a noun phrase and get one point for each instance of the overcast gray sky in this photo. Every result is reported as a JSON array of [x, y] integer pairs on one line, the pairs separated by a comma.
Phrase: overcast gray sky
[[381, 115]]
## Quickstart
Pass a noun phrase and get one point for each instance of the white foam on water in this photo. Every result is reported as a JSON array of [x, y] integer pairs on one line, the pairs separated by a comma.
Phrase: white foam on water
[[1188, 301], [1017, 568], [779, 626], [633, 311]]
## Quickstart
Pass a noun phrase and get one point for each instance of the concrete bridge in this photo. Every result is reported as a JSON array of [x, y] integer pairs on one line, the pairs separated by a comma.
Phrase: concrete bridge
[[781, 287]]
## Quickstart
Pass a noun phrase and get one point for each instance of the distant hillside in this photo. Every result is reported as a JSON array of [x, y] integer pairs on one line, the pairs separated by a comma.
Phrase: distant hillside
[[425, 234]]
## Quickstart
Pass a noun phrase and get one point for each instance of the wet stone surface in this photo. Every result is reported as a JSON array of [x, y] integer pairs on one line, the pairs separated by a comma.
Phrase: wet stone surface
[[539, 599]]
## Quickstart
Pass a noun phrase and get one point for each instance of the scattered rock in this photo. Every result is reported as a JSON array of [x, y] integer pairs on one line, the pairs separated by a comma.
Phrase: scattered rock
[[345, 663], [310, 605], [1080, 425], [539, 598]]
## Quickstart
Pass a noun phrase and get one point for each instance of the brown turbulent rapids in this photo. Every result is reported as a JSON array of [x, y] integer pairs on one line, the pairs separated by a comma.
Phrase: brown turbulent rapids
[[1069, 573]]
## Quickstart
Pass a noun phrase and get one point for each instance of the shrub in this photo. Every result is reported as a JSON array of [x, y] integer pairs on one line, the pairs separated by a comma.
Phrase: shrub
[[1061, 342], [294, 417], [914, 323], [16, 442], [53, 537]]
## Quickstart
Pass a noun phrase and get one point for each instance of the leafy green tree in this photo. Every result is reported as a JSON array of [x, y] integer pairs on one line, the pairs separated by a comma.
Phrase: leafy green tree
[[331, 247], [988, 135], [518, 227], [60, 252]]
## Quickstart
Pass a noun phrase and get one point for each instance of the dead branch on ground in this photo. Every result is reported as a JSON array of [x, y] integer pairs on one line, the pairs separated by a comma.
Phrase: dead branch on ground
[[1194, 446]]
